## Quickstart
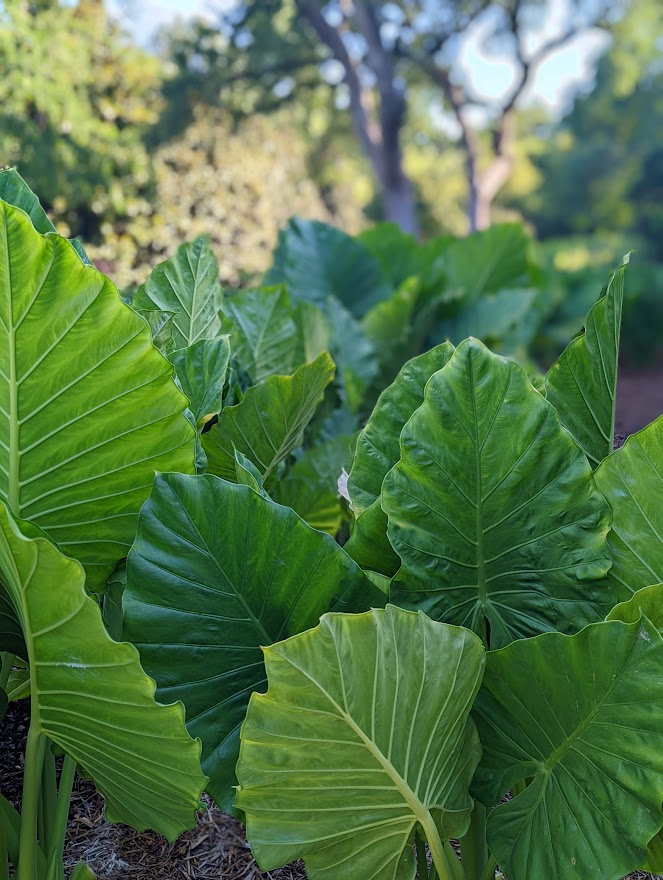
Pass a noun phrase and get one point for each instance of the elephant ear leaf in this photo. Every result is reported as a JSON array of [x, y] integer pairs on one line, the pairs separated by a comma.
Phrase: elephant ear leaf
[[582, 383], [188, 287], [493, 508], [589, 743], [269, 422], [15, 191], [201, 370], [88, 407], [217, 572], [90, 695], [337, 764], [631, 479], [377, 451]]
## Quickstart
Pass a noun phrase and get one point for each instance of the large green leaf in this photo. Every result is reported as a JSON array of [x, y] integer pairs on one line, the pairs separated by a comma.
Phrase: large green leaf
[[201, 370], [582, 383], [90, 695], [377, 451], [317, 261], [88, 408], [487, 261], [631, 478], [263, 331], [187, 285], [268, 424], [493, 508], [363, 737], [311, 485], [353, 354], [15, 191], [216, 572], [498, 319], [582, 717], [399, 253]]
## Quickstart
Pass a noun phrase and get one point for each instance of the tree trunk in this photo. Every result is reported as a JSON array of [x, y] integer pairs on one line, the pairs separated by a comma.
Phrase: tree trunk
[[400, 204]]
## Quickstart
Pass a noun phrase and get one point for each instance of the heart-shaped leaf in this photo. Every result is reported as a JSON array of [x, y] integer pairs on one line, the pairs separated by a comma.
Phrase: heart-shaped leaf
[[582, 717], [493, 508], [88, 408], [90, 695], [269, 423], [363, 738], [632, 481], [582, 383], [216, 572], [188, 287]]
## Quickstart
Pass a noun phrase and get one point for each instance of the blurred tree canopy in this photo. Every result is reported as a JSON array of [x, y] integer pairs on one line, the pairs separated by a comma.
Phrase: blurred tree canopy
[[346, 111], [373, 57]]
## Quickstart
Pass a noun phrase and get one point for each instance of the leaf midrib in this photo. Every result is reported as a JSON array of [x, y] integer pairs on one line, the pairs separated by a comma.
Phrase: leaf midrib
[[418, 809]]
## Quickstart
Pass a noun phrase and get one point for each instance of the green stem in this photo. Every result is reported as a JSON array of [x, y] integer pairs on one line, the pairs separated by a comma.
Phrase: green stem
[[62, 812], [489, 871], [440, 861], [27, 847], [4, 855], [6, 667], [473, 847], [49, 799], [422, 858], [456, 867]]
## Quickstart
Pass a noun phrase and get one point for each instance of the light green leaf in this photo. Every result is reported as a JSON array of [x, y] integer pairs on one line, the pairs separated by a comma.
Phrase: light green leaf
[[311, 485], [316, 261], [187, 285], [90, 695], [313, 332], [582, 383], [631, 479], [216, 572], [263, 331], [582, 718], [88, 408], [268, 424], [378, 450], [15, 191], [201, 370], [343, 759], [493, 508]]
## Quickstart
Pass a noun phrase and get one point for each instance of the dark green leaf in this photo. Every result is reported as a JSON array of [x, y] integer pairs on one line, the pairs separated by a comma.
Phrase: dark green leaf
[[201, 370], [216, 572]]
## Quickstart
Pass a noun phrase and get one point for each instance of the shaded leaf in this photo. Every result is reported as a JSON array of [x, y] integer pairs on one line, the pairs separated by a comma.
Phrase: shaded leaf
[[269, 422], [317, 261], [216, 572], [201, 371]]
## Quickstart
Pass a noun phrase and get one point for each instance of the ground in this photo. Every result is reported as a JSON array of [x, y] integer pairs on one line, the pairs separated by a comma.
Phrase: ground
[[216, 849]]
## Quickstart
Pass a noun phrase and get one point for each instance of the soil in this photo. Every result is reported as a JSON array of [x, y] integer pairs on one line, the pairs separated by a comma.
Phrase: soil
[[216, 849]]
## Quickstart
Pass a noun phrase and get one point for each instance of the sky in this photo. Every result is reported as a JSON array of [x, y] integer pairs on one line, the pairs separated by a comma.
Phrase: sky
[[553, 84]]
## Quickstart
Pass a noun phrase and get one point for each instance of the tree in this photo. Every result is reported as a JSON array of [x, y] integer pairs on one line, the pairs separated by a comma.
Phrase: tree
[[371, 55], [76, 99]]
